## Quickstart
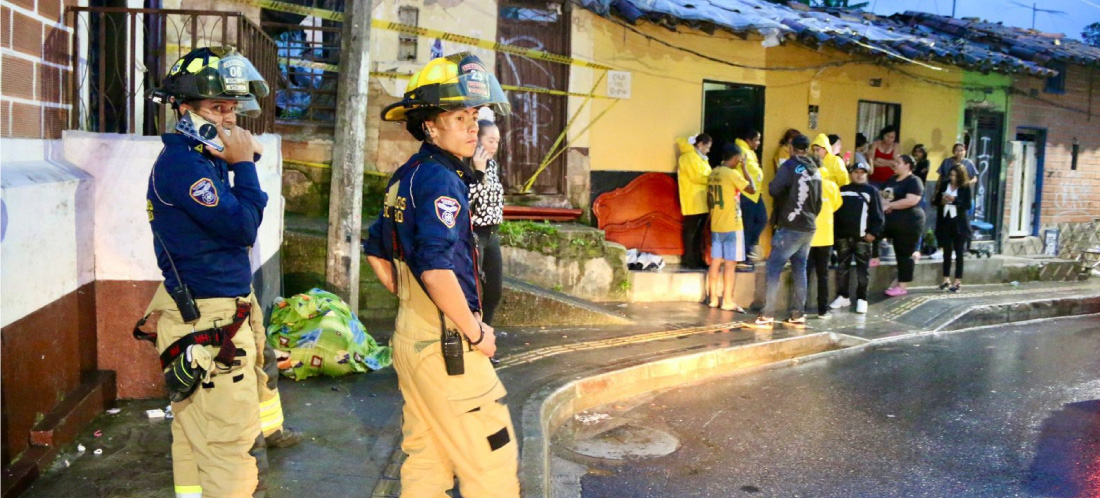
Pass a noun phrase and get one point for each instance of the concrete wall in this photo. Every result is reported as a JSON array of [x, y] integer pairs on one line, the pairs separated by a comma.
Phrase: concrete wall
[[48, 303], [78, 267]]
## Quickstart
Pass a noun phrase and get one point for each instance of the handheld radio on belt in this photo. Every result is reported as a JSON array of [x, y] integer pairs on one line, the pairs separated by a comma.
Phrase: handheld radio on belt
[[189, 310], [450, 340]]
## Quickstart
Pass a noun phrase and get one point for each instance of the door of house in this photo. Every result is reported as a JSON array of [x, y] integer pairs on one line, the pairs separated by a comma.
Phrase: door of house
[[730, 109], [1023, 188], [986, 129], [537, 119]]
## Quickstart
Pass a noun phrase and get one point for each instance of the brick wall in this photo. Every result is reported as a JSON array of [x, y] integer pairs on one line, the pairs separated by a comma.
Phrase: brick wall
[[1067, 195], [34, 56]]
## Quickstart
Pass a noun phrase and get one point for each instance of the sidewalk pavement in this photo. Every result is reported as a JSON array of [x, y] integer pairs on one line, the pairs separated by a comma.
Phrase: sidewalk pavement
[[352, 424]]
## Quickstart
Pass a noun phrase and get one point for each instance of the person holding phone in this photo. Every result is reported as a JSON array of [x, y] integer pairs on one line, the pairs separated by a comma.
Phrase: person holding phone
[[422, 247], [487, 209], [204, 222]]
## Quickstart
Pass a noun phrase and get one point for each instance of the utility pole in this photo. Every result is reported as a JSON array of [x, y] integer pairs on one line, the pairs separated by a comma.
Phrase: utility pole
[[345, 209], [953, 8]]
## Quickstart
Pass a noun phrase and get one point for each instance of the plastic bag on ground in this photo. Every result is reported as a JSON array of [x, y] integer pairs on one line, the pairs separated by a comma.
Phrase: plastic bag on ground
[[323, 337]]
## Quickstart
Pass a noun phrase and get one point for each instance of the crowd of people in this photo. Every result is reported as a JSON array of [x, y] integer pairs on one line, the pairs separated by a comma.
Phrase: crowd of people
[[827, 209]]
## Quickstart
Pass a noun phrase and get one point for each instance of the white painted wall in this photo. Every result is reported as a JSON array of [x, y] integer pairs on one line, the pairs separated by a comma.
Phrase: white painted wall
[[46, 236], [74, 211], [120, 165]]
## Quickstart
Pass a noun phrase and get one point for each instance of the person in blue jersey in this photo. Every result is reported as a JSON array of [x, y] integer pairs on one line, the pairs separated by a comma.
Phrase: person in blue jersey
[[210, 327], [423, 248]]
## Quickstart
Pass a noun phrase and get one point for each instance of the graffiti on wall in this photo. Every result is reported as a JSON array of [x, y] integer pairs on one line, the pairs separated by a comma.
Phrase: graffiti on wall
[[1070, 200], [983, 174]]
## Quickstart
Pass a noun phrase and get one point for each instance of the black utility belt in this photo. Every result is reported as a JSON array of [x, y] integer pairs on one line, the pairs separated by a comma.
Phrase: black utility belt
[[221, 337]]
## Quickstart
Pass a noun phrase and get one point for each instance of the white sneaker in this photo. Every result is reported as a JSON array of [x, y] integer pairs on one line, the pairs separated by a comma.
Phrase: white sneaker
[[840, 302], [861, 306]]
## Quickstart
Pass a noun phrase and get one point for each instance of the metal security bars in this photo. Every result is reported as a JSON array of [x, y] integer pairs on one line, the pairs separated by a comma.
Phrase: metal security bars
[[306, 92], [121, 54]]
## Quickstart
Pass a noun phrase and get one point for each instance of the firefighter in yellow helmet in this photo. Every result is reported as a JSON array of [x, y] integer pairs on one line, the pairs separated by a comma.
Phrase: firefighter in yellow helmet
[[210, 328], [422, 247]]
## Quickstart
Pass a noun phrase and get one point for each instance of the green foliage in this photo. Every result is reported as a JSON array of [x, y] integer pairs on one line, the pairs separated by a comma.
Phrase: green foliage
[[624, 285], [1091, 34], [515, 229], [557, 288]]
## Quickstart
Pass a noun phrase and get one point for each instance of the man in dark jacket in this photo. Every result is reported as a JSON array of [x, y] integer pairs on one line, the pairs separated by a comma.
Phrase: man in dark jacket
[[859, 223], [796, 191]]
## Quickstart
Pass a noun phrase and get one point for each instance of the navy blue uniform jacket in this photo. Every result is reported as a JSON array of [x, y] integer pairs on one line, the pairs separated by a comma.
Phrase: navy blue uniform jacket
[[206, 223], [427, 207]]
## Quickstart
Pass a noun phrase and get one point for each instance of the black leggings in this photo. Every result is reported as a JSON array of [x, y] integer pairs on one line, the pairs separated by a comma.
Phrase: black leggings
[[694, 225], [905, 243], [819, 262], [957, 245], [492, 271]]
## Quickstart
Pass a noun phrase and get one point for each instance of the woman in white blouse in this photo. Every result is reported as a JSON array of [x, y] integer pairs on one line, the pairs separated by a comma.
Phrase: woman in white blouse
[[953, 233]]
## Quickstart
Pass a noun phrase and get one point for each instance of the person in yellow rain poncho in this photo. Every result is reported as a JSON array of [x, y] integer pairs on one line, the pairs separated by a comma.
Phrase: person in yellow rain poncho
[[821, 247], [754, 214], [832, 167], [693, 171]]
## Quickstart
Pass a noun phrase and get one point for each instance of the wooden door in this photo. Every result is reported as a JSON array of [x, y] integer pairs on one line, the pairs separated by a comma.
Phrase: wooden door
[[1023, 188], [537, 119]]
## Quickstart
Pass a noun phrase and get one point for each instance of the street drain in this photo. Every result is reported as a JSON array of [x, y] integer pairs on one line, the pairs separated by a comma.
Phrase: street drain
[[627, 442]]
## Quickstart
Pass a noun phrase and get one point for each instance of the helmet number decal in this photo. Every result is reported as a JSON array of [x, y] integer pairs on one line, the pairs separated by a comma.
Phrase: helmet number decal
[[234, 76], [446, 209], [204, 192]]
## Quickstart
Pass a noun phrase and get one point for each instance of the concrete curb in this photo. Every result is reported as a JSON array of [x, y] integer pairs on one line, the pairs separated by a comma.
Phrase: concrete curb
[[552, 405]]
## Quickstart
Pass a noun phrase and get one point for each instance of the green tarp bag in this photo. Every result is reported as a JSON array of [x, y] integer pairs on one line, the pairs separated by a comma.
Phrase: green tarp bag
[[323, 337]]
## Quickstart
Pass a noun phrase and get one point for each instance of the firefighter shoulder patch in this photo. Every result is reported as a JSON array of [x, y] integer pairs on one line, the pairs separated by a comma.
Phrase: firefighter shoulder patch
[[446, 209], [204, 192]]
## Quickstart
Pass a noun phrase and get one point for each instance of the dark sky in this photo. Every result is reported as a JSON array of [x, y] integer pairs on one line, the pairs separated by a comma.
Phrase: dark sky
[[1078, 13]]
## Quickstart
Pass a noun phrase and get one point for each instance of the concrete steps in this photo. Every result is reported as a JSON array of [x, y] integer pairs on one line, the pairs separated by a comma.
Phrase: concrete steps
[[676, 284]]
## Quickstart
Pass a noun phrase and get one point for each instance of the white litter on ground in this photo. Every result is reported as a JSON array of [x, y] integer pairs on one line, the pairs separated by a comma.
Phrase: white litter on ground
[[591, 418], [114, 411], [155, 413], [98, 451]]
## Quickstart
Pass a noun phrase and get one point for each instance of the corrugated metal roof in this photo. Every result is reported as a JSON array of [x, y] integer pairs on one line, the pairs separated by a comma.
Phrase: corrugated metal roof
[[853, 32]]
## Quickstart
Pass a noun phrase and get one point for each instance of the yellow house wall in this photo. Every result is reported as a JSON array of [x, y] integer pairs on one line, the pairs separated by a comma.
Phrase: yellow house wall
[[667, 93]]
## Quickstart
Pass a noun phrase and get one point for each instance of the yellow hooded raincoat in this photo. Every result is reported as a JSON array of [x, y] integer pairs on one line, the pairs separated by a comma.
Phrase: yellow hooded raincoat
[[693, 175], [756, 173], [830, 203], [832, 167]]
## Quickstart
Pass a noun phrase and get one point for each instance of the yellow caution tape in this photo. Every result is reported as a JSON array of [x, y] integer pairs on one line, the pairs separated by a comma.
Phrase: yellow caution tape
[[431, 33], [389, 74]]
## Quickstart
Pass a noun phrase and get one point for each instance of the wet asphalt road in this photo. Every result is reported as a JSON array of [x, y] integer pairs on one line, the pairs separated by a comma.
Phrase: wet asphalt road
[[995, 413]]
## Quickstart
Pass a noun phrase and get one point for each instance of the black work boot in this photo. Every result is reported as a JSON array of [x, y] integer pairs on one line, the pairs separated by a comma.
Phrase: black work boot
[[284, 438]]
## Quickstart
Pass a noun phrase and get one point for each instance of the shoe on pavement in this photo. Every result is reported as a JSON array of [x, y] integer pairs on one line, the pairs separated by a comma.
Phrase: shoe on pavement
[[824, 316], [764, 321], [875, 262], [840, 302], [861, 306], [284, 438], [955, 288], [797, 319], [896, 291]]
